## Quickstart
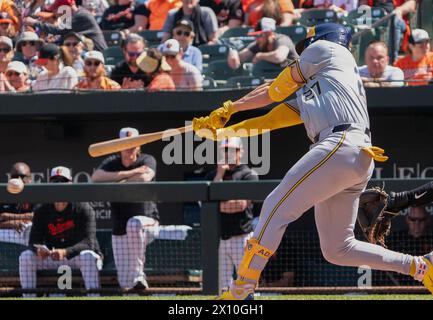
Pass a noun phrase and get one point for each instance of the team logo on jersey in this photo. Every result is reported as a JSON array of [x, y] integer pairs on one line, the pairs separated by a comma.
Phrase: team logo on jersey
[[60, 227]]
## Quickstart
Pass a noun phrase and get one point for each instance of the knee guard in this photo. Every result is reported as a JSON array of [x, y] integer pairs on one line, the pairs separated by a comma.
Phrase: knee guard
[[284, 85], [253, 248]]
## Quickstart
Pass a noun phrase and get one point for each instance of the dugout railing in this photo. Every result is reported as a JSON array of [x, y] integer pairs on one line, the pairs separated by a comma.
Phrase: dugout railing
[[208, 194]]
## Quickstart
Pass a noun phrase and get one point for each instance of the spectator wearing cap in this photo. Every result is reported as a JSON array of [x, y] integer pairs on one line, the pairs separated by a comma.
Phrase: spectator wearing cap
[[282, 11], [56, 76], [17, 75], [203, 18], [417, 65], [126, 72], [159, 10], [236, 216], [7, 26], [154, 64], [229, 13], [125, 16], [184, 75], [95, 76], [63, 233], [269, 46], [82, 22], [12, 12], [184, 33], [16, 218], [27, 48], [134, 224], [377, 72], [74, 45], [6, 54]]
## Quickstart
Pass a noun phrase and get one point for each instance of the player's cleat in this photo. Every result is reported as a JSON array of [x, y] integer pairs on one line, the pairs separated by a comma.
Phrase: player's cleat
[[422, 270], [238, 290], [140, 285], [397, 201]]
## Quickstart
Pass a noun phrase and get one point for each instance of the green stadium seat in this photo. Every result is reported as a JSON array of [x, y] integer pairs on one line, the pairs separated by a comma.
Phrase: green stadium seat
[[113, 38], [153, 37], [266, 69], [113, 55], [317, 16], [296, 33], [220, 70], [244, 82], [237, 32], [209, 83], [213, 52]]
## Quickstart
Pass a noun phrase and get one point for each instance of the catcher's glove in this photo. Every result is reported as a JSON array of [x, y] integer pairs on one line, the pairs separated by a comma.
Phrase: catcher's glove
[[373, 217]]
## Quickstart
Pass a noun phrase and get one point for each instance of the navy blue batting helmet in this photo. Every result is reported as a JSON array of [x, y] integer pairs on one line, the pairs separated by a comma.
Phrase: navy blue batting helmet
[[333, 32]]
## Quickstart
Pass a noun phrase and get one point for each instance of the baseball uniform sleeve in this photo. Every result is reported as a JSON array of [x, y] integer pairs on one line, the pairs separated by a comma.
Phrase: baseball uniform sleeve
[[315, 57]]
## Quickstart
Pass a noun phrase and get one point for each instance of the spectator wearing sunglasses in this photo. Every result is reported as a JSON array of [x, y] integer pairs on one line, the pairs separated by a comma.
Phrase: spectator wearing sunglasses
[[127, 73], [183, 32], [27, 48], [74, 45], [18, 76], [56, 76], [16, 218], [95, 76], [6, 54]]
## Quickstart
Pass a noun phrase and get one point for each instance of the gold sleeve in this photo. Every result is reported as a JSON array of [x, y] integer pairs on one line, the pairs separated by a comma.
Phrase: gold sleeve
[[284, 85]]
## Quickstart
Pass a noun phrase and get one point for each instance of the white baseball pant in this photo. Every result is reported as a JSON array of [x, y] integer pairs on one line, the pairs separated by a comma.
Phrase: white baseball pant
[[12, 236], [129, 250], [87, 261]]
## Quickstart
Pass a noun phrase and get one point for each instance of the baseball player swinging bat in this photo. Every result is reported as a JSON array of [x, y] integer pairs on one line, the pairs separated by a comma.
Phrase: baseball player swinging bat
[[117, 145]]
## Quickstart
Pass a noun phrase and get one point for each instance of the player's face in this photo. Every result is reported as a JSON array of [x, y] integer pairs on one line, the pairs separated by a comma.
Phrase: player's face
[[232, 156], [129, 156], [376, 59], [418, 222]]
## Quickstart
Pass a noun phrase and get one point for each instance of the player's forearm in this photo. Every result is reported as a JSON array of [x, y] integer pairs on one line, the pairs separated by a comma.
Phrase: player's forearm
[[141, 177], [258, 98], [16, 216], [105, 176]]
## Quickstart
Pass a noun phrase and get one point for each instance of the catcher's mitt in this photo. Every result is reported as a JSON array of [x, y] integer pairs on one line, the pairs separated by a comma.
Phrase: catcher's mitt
[[373, 217]]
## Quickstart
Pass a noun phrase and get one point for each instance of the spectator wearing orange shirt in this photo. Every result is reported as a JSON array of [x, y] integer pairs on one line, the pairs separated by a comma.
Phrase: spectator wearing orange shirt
[[159, 10], [282, 11], [154, 64], [418, 63], [94, 71], [8, 7]]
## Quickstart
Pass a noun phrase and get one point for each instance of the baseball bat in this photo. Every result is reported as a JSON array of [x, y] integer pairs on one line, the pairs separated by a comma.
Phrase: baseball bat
[[116, 145]]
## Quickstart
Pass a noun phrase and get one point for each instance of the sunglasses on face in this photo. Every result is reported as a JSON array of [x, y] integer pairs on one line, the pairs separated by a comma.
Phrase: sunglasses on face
[[185, 33], [12, 73], [133, 54], [22, 176], [31, 43], [4, 25], [5, 50], [417, 219], [70, 44], [59, 180], [94, 63]]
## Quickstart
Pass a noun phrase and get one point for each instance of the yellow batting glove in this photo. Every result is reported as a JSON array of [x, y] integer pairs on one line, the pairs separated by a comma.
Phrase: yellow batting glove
[[202, 128], [219, 117]]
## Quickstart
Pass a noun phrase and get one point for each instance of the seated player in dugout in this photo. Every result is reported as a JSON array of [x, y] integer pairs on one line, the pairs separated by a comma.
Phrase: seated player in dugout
[[269, 46], [16, 218], [134, 224], [331, 102], [63, 233]]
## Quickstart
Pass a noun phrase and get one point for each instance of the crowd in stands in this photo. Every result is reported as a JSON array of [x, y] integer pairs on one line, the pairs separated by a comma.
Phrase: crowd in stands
[[56, 45]]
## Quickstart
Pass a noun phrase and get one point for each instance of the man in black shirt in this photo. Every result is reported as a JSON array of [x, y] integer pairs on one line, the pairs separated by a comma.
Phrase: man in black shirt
[[126, 72], [229, 13], [62, 234], [125, 16], [236, 215], [134, 224], [16, 218]]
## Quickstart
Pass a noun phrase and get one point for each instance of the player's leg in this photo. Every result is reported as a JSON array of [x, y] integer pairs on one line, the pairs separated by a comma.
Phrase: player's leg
[[12, 236], [416, 197], [224, 265], [122, 261], [89, 264]]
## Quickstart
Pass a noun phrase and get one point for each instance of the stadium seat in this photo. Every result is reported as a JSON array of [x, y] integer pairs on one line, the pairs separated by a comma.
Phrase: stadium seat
[[296, 33], [237, 32], [266, 69], [220, 70], [244, 82], [153, 37], [313, 17], [209, 83], [113, 38], [213, 52], [113, 55]]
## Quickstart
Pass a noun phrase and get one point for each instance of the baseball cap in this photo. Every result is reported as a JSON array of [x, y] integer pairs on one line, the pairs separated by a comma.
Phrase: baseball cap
[[185, 23], [61, 172], [264, 25], [17, 66], [171, 47], [73, 34], [59, 3], [7, 41], [96, 55], [149, 64], [5, 18], [418, 36], [47, 51], [233, 142], [128, 132]]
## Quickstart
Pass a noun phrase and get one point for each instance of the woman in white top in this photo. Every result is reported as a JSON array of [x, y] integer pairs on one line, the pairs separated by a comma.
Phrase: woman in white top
[[56, 76]]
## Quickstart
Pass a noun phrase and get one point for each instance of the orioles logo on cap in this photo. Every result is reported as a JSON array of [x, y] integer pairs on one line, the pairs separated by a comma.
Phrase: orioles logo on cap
[[169, 45], [59, 172], [128, 133]]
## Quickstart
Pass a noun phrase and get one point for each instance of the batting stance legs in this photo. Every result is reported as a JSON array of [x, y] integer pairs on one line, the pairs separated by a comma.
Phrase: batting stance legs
[[130, 250], [330, 177]]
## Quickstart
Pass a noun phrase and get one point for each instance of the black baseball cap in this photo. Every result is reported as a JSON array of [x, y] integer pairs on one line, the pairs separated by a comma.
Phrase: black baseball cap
[[47, 51], [185, 23]]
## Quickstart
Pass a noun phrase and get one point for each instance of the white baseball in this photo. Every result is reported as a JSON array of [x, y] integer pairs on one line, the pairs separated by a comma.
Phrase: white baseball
[[15, 185]]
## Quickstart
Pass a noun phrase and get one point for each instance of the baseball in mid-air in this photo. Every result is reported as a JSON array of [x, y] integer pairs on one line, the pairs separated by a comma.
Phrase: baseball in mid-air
[[15, 185]]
